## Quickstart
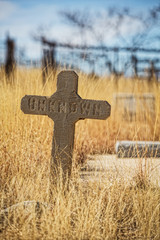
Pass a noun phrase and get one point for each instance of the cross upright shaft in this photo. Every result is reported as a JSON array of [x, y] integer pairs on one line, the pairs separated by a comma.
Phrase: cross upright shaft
[[65, 107], [63, 103]]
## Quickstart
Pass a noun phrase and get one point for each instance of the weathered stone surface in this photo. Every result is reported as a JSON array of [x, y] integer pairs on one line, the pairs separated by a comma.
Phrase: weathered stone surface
[[133, 149], [131, 106], [65, 107], [29, 209], [108, 169]]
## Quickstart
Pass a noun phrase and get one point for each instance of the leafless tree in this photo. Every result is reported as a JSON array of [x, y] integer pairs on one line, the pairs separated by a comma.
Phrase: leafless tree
[[112, 20]]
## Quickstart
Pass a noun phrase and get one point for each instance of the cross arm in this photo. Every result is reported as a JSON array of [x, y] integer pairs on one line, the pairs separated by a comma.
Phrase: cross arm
[[33, 104], [94, 109]]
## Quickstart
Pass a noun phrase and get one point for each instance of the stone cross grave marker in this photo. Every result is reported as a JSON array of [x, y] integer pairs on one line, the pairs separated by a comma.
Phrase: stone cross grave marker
[[65, 107]]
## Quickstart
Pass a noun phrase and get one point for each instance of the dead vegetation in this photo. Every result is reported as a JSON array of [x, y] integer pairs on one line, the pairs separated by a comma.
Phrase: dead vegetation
[[88, 210]]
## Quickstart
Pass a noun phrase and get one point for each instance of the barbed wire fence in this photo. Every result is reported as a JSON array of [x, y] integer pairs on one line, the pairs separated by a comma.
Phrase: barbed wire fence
[[95, 60], [104, 60]]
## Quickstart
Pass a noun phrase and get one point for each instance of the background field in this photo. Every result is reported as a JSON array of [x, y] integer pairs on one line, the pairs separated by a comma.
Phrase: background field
[[87, 210]]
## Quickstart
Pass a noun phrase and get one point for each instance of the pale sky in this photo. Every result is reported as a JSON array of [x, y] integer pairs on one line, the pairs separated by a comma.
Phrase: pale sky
[[22, 18]]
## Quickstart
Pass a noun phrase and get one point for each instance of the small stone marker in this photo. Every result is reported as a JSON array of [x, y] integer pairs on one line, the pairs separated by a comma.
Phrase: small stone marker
[[130, 106], [65, 107], [141, 149], [27, 208]]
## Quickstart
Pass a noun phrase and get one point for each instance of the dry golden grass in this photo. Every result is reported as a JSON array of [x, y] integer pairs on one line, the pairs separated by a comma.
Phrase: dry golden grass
[[86, 210]]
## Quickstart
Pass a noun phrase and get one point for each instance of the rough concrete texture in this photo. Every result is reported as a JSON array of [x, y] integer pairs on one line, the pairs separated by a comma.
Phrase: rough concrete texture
[[135, 149]]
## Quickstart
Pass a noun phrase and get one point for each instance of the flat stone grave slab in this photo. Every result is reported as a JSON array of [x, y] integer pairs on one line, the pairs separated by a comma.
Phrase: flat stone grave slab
[[135, 149], [131, 107], [108, 168]]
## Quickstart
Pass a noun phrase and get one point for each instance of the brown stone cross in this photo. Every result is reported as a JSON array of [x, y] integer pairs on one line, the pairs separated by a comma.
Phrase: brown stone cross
[[65, 107]]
